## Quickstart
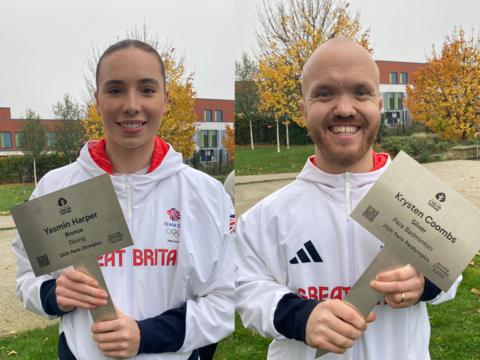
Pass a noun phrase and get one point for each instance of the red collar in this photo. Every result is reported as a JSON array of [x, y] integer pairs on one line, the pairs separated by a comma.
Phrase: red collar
[[97, 150], [379, 160]]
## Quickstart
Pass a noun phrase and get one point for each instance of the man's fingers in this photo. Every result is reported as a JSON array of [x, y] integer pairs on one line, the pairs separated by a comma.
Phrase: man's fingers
[[399, 274], [397, 287], [371, 317], [350, 315], [342, 343]]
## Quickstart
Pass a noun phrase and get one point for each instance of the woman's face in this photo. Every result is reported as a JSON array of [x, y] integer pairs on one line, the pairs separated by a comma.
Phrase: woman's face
[[130, 98]]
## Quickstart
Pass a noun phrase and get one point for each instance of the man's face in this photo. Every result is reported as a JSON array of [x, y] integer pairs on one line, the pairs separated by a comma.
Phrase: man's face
[[130, 98], [341, 106]]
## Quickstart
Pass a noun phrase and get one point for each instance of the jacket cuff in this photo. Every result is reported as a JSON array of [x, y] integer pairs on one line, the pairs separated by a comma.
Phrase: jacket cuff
[[430, 291], [163, 333], [291, 316], [49, 298]]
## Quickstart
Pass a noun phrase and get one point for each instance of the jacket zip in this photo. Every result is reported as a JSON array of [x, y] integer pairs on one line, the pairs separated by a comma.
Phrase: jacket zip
[[351, 261], [128, 186]]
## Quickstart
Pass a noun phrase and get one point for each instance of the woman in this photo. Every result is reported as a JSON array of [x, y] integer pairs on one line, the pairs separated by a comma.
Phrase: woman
[[173, 288]]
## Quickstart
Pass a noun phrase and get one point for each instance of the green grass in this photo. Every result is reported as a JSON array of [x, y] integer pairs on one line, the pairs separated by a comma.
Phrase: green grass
[[265, 159], [455, 332], [456, 324], [38, 344], [13, 194]]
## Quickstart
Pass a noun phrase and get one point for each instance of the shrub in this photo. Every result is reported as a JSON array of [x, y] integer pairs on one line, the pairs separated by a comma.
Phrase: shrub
[[423, 148], [19, 169]]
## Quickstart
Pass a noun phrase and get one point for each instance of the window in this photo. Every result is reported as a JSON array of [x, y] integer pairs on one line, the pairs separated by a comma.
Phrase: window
[[207, 115], [19, 139], [5, 140], [218, 116], [393, 78], [208, 139], [51, 137], [403, 78]]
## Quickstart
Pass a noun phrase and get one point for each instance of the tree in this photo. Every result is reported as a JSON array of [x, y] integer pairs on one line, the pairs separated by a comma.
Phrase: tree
[[179, 121], [290, 30], [92, 124], [229, 142], [445, 95], [69, 134], [35, 139], [246, 92]]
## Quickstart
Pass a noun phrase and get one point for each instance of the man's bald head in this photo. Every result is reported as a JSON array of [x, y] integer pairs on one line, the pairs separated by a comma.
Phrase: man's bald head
[[339, 50]]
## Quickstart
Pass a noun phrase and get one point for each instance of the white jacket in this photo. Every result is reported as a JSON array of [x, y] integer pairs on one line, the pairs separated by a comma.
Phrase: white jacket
[[171, 261], [315, 208]]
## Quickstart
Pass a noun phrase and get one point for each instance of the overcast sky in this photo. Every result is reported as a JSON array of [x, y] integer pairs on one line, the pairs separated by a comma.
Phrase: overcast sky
[[400, 30], [45, 44]]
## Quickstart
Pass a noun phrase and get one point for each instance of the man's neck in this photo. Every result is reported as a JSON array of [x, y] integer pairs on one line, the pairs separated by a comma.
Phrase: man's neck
[[128, 161], [365, 164]]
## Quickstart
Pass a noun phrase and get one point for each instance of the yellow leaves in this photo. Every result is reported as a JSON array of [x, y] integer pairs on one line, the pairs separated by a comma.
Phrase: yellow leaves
[[93, 123], [229, 142], [475, 291], [301, 28], [178, 122], [446, 92]]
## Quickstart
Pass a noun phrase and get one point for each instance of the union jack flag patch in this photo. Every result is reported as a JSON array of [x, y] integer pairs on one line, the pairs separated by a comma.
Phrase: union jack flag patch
[[232, 223], [173, 214]]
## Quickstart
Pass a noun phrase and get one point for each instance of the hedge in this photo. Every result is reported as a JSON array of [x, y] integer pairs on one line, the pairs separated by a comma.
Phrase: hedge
[[19, 169]]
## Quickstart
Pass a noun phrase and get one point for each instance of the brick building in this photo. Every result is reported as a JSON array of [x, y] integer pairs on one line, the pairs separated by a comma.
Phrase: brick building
[[394, 78], [213, 116]]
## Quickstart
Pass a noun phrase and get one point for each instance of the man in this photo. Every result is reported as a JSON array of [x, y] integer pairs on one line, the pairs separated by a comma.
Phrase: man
[[173, 289], [298, 251]]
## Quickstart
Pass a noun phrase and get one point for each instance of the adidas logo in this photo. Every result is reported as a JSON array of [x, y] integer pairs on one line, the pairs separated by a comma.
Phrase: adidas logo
[[302, 255]]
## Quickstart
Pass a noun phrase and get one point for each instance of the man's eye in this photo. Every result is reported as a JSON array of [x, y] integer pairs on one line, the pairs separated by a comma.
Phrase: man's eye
[[324, 93], [362, 92]]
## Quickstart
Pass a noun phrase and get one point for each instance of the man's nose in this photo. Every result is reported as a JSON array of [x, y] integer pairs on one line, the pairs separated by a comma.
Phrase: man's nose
[[344, 106]]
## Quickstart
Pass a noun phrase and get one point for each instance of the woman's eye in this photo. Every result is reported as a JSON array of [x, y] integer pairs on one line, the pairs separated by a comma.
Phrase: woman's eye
[[148, 91], [114, 91]]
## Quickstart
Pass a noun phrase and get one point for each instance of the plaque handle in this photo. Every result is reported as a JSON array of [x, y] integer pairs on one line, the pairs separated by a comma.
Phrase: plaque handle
[[90, 266], [362, 297]]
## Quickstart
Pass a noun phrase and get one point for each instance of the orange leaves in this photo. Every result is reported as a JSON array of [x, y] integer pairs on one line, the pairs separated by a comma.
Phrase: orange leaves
[[229, 142], [446, 93], [292, 30]]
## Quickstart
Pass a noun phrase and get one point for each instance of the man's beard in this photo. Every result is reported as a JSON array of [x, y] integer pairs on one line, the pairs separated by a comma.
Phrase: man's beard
[[344, 157]]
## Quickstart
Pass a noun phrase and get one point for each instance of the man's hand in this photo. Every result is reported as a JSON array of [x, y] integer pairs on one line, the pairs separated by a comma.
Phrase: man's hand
[[118, 338], [75, 289], [334, 326], [402, 287]]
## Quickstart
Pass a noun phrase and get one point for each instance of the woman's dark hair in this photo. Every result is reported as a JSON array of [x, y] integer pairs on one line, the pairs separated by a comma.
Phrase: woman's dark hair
[[130, 43]]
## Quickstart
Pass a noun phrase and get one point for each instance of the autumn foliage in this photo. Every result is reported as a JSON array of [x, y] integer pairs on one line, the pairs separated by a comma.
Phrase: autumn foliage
[[229, 142], [445, 95], [291, 31]]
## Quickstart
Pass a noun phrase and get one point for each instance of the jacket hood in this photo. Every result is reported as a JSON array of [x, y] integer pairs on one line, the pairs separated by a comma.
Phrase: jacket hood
[[165, 162]]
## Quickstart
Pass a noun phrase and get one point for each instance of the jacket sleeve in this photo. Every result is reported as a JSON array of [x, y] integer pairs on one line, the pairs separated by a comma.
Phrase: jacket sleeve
[[446, 296], [260, 275], [210, 311]]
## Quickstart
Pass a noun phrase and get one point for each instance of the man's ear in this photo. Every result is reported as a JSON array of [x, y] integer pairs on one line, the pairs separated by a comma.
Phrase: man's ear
[[97, 108], [301, 105], [380, 103]]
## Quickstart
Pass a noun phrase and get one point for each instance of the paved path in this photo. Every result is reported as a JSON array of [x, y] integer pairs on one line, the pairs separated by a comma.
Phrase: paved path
[[464, 176]]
